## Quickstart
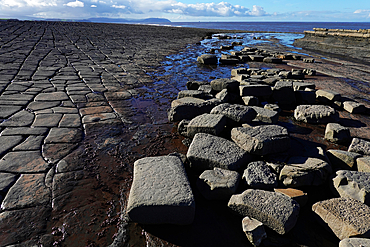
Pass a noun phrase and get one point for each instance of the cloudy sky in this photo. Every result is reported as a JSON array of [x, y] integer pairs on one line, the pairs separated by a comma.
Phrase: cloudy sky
[[191, 10]]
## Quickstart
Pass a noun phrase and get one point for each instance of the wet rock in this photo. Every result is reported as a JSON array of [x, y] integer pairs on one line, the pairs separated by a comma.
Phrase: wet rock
[[266, 115], [354, 107], [342, 159], [161, 192], [354, 242], [63, 135], [345, 217], [274, 210], [254, 230], [336, 133], [327, 96], [251, 100], [258, 175], [218, 184], [194, 94], [121, 95], [207, 59], [224, 83], [55, 151], [212, 124], [316, 114], [229, 60], [359, 146], [207, 152], [305, 171], [20, 119], [283, 92], [237, 113], [353, 184], [258, 90], [262, 140], [297, 195], [363, 164], [23, 161]]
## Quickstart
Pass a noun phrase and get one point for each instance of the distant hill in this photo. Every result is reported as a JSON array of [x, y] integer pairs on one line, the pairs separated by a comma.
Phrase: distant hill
[[119, 20]]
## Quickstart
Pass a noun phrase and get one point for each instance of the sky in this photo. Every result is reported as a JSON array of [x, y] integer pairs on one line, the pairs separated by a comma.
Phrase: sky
[[191, 10]]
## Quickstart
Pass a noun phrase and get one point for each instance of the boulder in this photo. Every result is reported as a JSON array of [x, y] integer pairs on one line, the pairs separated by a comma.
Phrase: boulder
[[212, 124], [345, 217], [327, 96], [218, 184], [363, 164], [337, 133], [237, 113], [224, 96], [207, 152], [283, 92], [259, 175], [182, 127], [250, 100], [272, 60], [224, 83], [207, 59], [305, 171], [262, 140], [316, 114], [305, 97], [239, 71], [258, 90], [161, 192], [274, 210], [193, 93], [266, 115], [194, 85], [297, 195], [354, 107], [254, 230], [301, 86], [359, 146], [342, 159], [353, 184], [354, 242]]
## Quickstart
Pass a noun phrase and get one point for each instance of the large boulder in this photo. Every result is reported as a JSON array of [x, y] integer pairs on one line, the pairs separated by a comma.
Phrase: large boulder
[[223, 83], [353, 184], [345, 217], [283, 92], [262, 140], [207, 152], [316, 114], [342, 159], [206, 123], [218, 184], [259, 175], [274, 210], [161, 192], [327, 96], [337, 133], [237, 113], [359, 146], [258, 90], [207, 59], [305, 171]]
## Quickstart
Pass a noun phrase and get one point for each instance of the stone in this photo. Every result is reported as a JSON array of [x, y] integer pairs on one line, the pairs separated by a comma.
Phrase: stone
[[283, 93], [359, 146], [78, 98], [20, 119], [194, 85], [305, 97], [98, 117], [54, 96], [297, 195], [254, 230], [207, 152], [305, 171], [345, 217], [212, 124], [63, 135], [224, 96], [6, 181], [250, 100], [239, 71], [8, 142], [285, 74], [70, 121], [256, 58], [353, 184], [336, 133], [193, 93], [342, 159], [354, 107], [266, 115], [237, 113], [47, 120], [31, 143], [95, 110], [223, 83], [218, 184], [363, 164], [182, 127], [274, 210], [310, 72], [160, 192], [354, 242], [258, 90], [8, 110], [327, 96], [262, 140], [272, 60], [65, 110], [23, 162], [121, 95], [54, 152], [316, 114], [28, 191], [24, 131], [36, 106], [308, 60], [207, 59], [302, 85], [258, 175]]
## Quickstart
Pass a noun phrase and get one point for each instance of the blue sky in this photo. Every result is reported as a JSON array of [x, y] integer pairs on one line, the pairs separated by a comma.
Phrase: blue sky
[[191, 10]]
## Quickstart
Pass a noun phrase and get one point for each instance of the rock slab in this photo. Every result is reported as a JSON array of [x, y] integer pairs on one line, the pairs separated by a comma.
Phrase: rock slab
[[316, 114]]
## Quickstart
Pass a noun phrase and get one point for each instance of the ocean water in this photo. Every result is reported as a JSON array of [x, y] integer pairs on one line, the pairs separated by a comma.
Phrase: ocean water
[[274, 26]]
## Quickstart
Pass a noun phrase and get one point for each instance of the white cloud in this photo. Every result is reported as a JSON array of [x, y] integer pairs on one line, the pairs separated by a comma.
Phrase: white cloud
[[93, 6], [27, 3], [258, 11], [119, 6], [360, 11], [76, 4]]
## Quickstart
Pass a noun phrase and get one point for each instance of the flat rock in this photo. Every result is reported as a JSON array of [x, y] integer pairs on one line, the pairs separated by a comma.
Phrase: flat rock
[[274, 210], [363, 164], [23, 162], [258, 90], [305, 171], [8, 142], [262, 140], [63, 135], [342, 159], [354, 242], [207, 152], [218, 184], [259, 175], [54, 96], [359, 146], [327, 96], [223, 83], [345, 217], [47, 120], [160, 192], [28, 191], [212, 124], [98, 117], [8, 110], [266, 115], [336, 133], [95, 110], [10, 131], [301, 85], [31, 143], [353, 184], [297, 195], [55, 151], [238, 113], [6, 181], [20, 119], [316, 114], [254, 230], [70, 121], [354, 107], [36, 106], [207, 59], [283, 92], [193, 93]]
